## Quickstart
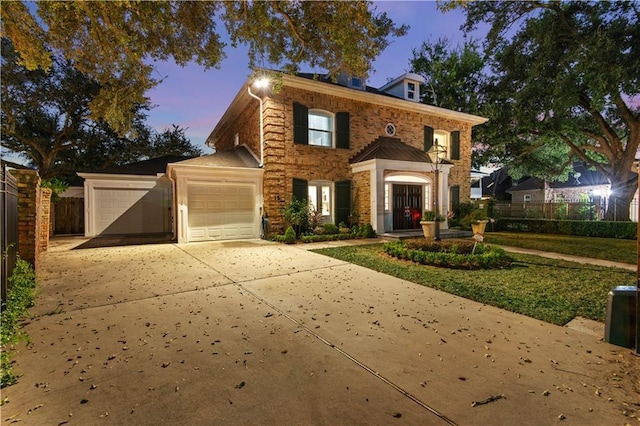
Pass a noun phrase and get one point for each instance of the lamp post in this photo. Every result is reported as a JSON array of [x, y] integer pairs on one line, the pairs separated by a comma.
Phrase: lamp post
[[437, 152]]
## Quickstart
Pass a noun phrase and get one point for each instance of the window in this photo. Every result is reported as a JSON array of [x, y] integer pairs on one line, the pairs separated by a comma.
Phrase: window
[[356, 82], [411, 91], [320, 128], [443, 144], [527, 198], [450, 142], [320, 199]]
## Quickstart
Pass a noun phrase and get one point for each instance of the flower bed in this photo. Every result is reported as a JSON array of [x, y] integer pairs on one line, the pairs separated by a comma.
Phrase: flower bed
[[449, 254]]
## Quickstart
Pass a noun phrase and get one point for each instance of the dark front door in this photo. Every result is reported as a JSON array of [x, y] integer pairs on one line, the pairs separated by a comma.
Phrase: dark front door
[[407, 206]]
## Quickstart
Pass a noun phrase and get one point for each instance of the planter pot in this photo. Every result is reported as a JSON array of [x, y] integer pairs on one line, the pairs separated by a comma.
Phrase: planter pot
[[478, 228], [428, 228]]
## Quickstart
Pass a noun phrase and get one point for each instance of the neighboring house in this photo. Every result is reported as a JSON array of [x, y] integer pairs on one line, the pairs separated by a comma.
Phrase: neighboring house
[[497, 184], [356, 153], [129, 199], [476, 184], [582, 183]]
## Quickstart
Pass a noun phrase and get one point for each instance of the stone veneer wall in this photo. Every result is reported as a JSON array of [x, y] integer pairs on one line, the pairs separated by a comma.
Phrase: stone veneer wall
[[284, 160], [33, 215]]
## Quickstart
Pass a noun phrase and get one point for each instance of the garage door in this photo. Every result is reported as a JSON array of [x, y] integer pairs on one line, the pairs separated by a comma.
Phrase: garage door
[[221, 212], [130, 211]]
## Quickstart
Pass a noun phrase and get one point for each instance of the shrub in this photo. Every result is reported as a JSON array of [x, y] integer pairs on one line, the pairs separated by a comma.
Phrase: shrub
[[290, 236], [605, 229], [20, 297], [449, 255], [368, 231], [330, 228], [328, 237], [297, 215]]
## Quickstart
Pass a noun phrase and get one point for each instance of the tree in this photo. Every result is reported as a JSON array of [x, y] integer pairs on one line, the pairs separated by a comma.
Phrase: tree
[[116, 42], [45, 117], [564, 76], [452, 75]]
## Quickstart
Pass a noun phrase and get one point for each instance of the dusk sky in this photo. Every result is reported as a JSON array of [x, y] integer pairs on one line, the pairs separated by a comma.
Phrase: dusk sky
[[196, 99]]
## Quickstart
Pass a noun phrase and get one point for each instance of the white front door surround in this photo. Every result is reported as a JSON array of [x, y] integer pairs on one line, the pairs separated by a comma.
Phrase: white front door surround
[[377, 168]]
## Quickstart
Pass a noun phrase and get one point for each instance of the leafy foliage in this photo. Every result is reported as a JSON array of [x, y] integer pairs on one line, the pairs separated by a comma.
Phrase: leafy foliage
[[564, 86], [452, 75], [20, 297], [453, 256], [56, 186], [116, 42], [290, 236], [585, 228], [297, 215], [46, 118]]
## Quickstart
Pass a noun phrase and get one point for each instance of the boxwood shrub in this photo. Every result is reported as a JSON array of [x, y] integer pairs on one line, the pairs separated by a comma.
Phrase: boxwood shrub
[[453, 255], [584, 228]]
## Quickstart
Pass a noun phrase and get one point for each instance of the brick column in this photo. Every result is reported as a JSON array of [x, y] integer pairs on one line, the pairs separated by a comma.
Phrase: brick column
[[33, 215]]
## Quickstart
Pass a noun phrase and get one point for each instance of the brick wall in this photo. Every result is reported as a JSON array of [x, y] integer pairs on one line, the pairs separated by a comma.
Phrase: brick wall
[[33, 215], [285, 160]]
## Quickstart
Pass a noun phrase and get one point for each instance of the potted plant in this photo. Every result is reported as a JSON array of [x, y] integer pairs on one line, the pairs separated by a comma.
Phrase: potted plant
[[477, 219], [428, 223]]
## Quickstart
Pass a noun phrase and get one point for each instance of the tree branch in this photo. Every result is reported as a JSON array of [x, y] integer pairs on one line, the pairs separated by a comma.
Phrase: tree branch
[[292, 25], [580, 153]]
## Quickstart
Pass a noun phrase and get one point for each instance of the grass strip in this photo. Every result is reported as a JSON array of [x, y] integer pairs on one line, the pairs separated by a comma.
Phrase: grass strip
[[612, 249], [550, 290]]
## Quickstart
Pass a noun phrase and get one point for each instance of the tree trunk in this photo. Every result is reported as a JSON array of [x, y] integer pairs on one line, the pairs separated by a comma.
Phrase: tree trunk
[[623, 190]]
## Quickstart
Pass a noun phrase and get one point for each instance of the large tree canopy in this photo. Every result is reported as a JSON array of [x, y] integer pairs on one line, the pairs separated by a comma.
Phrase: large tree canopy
[[45, 118], [565, 85], [116, 42]]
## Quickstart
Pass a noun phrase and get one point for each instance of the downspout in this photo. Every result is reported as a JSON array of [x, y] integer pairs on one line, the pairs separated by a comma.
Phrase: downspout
[[261, 126]]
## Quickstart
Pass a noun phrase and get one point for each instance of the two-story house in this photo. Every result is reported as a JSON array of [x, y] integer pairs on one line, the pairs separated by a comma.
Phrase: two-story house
[[352, 151]]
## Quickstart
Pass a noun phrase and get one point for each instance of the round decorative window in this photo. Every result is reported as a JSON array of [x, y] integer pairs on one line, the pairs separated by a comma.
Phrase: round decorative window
[[390, 129]]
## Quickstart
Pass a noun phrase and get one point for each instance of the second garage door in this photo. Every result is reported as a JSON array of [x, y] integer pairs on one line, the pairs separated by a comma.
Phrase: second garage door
[[221, 212], [130, 210]]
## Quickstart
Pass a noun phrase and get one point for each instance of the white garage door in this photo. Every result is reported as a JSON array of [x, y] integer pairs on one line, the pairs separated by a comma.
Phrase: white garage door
[[221, 212], [130, 211]]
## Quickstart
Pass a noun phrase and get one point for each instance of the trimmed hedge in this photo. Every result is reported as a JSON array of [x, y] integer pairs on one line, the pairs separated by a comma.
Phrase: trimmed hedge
[[449, 255], [328, 237], [584, 228]]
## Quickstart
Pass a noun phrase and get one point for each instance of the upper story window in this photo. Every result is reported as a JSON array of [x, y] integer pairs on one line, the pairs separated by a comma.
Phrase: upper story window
[[356, 82], [450, 141], [320, 128], [411, 90]]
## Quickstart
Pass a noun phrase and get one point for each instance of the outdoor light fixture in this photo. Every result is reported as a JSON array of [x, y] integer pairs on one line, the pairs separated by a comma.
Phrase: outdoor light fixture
[[436, 155], [260, 83]]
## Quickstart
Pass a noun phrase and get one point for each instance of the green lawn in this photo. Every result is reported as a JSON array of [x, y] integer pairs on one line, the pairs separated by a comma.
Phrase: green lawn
[[598, 248], [550, 290]]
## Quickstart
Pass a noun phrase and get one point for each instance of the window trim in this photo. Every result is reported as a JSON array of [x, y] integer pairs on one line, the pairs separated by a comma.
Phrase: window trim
[[446, 137], [322, 113], [526, 198]]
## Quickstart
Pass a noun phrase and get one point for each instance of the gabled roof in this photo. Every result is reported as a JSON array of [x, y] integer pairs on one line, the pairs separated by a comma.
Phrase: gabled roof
[[152, 166], [385, 148], [239, 157], [528, 184]]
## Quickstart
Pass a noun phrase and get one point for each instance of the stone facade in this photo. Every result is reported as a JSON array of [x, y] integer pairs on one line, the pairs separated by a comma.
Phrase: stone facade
[[284, 160], [33, 215]]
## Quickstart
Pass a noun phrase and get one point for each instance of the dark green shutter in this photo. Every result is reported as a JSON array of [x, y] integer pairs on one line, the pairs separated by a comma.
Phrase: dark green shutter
[[343, 201], [455, 196], [342, 130], [455, 145], [300, 189], [300, 124], [428, 138]]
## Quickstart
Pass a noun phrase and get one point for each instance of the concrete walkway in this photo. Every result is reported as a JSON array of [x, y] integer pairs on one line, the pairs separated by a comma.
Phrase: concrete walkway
[[251, 332]]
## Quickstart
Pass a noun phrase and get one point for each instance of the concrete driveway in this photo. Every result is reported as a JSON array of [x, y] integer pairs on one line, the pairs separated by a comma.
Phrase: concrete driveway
[[251, 332]]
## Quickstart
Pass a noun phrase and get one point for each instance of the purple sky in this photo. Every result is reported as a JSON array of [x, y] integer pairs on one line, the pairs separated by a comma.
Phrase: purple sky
[[196, 99]]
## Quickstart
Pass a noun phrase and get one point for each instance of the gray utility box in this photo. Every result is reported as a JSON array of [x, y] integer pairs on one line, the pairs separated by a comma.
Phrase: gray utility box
[[620, 328]]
